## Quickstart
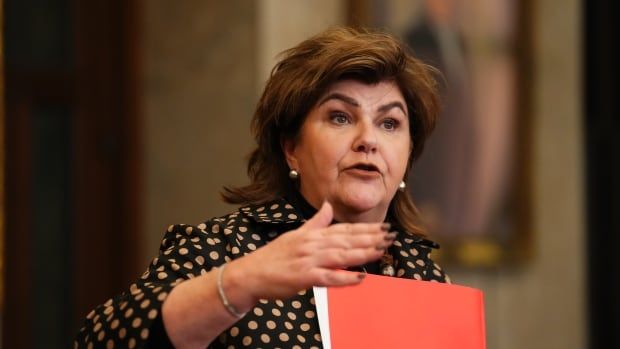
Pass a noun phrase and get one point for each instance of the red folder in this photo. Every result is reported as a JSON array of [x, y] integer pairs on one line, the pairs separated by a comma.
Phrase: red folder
[[388, 312]]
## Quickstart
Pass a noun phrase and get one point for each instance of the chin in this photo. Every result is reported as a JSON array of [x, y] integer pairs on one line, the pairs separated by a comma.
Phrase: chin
[[362, 200]]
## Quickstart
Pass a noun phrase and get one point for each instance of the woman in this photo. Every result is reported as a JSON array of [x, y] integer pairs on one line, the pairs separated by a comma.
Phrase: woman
[[342, 117]]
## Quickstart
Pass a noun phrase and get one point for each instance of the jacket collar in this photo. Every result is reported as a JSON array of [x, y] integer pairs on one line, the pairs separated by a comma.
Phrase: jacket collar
[[278, 211], [281, 211]]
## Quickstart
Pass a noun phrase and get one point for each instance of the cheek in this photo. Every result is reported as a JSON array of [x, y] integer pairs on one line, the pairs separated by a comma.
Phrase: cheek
[[328, 156], [398, 165], [323, 158], [397, 158]]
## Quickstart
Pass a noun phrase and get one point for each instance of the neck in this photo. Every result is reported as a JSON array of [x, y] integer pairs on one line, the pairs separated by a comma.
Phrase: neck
[[346, 214], [342, 212]]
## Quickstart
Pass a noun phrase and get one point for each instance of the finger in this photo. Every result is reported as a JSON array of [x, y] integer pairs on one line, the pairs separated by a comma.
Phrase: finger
[[346, 241], [358, 228], [322, 218], [335, 277], [341, 258]]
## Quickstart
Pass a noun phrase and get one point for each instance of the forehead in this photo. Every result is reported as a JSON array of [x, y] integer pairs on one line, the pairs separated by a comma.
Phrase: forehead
[[366, 93]]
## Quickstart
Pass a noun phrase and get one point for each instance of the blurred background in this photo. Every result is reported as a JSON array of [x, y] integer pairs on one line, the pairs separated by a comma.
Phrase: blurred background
[[120, 117]]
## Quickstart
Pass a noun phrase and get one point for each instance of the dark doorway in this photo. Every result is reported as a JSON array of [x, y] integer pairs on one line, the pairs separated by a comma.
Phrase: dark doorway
[[72, 163], [602, 125]]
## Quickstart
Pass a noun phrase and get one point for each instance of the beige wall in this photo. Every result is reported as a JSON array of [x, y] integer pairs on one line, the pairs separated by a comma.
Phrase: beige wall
[[205, 63], [282, 24], [199, 96]]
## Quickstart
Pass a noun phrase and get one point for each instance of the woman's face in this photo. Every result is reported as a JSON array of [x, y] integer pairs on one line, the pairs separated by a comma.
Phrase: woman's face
[[352, 149]]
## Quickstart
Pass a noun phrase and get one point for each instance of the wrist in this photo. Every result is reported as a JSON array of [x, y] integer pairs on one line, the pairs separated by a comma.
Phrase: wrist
[[232, 310], [236, 286]]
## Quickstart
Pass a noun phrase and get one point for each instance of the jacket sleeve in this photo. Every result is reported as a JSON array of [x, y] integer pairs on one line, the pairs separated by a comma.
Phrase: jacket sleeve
[[130, 319]]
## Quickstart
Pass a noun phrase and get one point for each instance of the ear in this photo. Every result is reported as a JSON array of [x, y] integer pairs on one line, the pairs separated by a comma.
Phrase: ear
[[289, 146]]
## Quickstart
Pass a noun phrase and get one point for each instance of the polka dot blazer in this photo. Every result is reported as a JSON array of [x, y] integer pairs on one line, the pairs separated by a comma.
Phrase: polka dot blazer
[[132, 319]]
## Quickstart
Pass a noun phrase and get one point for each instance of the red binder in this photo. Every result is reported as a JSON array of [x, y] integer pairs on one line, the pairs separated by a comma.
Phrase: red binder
[[387, 312]]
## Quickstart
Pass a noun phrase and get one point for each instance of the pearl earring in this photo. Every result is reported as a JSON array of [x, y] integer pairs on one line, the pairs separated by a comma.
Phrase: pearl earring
[[293, 174], [402, 186]]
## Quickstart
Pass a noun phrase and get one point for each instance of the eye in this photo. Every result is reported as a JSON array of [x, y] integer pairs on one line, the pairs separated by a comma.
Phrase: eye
[[339, 118], [390, 124]]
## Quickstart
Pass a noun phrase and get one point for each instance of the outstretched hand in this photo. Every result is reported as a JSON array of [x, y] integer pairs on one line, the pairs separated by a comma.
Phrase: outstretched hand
[[315, 254]]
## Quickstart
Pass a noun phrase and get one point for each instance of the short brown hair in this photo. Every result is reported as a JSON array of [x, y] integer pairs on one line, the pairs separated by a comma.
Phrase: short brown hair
[[303, 75]]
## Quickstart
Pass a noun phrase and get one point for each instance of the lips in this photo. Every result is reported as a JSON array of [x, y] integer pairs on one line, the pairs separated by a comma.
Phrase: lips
[[364, 167]]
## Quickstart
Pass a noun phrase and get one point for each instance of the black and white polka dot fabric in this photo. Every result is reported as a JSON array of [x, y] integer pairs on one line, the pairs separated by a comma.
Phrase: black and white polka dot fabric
[[132, 319]]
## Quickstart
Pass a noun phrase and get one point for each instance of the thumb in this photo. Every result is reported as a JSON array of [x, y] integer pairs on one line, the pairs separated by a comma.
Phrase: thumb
[[322, 218]]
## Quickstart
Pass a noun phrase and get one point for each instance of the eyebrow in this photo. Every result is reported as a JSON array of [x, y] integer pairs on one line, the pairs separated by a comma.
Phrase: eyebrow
[[353, 102], [389, 106]]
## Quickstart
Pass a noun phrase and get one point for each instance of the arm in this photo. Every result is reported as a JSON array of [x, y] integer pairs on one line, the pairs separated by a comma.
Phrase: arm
[[192, 312], [296, 260]]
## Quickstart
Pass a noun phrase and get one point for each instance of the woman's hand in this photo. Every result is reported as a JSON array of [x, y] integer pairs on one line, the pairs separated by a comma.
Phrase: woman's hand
[[312, 255]]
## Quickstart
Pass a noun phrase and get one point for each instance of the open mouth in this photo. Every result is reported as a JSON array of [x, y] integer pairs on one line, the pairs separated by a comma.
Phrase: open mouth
[[365, 167]]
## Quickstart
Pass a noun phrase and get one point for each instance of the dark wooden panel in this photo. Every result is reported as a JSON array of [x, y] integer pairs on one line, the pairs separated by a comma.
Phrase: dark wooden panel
[[107, 150], [17, 252], [602, 125], [97, 89]]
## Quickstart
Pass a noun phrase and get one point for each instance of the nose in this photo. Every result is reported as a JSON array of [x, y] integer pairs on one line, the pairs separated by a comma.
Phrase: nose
[[366, 140]]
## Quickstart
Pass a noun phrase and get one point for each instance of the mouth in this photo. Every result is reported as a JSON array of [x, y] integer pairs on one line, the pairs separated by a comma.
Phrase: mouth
[[370, 168]]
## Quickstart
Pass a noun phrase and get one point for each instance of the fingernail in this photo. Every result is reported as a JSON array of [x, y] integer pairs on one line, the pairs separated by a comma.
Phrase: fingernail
[[386, 226], [361, 276], [390, 236], [380, 247]]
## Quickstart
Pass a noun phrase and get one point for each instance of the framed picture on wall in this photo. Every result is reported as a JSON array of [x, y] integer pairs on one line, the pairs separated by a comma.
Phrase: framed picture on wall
[[471, 183]]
